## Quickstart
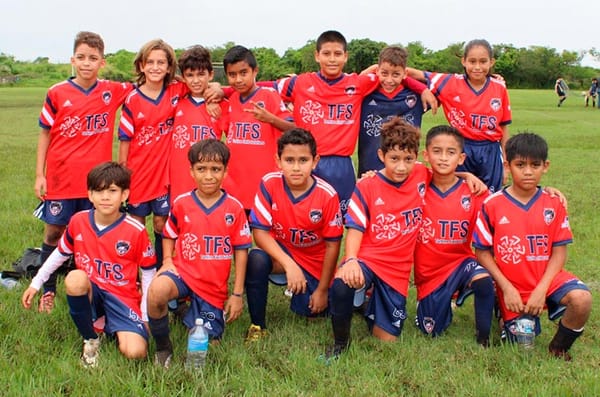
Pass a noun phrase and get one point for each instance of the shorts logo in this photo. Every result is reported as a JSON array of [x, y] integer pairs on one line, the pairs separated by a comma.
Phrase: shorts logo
[[229, 219], [315, 215], [465, 202], [549, 215], [55, 208], [429, 324], [122, 247], [106, 97]]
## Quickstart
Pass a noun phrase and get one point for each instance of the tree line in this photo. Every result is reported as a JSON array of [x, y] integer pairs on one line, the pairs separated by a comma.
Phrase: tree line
[[533, 67]]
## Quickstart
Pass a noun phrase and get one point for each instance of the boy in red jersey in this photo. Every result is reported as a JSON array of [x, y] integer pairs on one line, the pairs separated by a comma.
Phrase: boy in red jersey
[[206, 229], [521, 238], [109, 247], [444, 260], [193, 121], [257, 116], [328, 103], [297, 225], [77, 124]]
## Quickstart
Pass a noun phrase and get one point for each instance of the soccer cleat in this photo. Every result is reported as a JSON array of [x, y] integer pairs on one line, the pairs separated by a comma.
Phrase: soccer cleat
[[46, 302], [89, 357], [559, 353], [255, 333], [332, 353], [162, 358]]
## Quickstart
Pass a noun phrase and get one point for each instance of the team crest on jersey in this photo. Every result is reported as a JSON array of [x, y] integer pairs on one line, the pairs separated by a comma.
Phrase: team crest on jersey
[[174, 100], [122, 247], [549, 215], [421, 189], [510, 249], [261, 104], [495, 104], [311, 112], [106, 97], [229, 219], [350, 90], [428, 324], [465, 202], [372, 125], [315, 215], [411, 101], [55, 208]]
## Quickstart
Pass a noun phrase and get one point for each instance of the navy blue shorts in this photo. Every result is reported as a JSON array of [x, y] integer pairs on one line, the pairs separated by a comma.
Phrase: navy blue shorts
[[159, 206], [387, 307], [214, 318], [485, 161], [118, 316], [434, 312], [339, 172], [60, 212]]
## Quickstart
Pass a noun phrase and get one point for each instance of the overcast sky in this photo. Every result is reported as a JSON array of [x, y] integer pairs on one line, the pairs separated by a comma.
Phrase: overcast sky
[[29, 29]]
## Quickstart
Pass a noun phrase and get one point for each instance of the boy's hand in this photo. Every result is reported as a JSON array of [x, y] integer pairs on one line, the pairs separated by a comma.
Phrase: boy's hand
[[512, 299], [476, 185], [260, 113], [214, 93], [535, 304], [40, 187], [318, 301], [554, 192], [351, 274], [429, 100], [233, 308], [296, 282], [213, 109], [28, 296]]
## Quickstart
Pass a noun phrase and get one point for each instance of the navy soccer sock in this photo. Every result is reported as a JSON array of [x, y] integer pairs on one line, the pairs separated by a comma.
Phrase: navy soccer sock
[[484, 307], [257, 285], [158, 249], [159, 328], [81, 313], [564, 338], [50, 284], [341, 311]]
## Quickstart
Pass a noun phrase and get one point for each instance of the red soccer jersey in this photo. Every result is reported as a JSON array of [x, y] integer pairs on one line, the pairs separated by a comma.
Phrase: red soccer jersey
[[81, 124], [300, 225], [111, 257], [329, 109], [444, 240], [253, 144], [148, 124], [192, 124], [205, 242], [478, 115], [522, 237], [389, 215]]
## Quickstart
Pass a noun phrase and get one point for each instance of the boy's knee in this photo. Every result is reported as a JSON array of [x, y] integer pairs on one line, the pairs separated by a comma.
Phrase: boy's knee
[[160, 291], [133, 351], [259, 265], [77, 283], [582, 299]]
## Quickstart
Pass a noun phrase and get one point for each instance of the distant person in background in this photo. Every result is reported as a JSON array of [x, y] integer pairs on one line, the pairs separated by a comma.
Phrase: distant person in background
[[592, 93], [561, 90]]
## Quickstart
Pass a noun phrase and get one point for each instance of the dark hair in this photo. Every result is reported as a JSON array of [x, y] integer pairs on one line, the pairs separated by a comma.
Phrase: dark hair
[[195, 58], [142, 57], [478, 43], [444, 130], [527, 145], [397, 133], [91, 39], [105, 174], [394, 55], [297, 136], [237, 54], [209, 150], [331, 36]]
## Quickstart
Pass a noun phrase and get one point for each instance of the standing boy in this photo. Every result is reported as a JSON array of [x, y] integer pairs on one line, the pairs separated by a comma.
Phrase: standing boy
[[444, 259], [297, 225], [77, 125], [109, 249], [257, 116], [206, 229], [392, 98], [521, 238]]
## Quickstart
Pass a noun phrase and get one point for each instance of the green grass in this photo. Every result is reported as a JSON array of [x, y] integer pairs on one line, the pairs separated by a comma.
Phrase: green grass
[[39, 353]]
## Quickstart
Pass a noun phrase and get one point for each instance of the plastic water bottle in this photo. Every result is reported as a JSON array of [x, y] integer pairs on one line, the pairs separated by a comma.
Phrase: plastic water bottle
[[8, 282], [197, 346], [525, 331]]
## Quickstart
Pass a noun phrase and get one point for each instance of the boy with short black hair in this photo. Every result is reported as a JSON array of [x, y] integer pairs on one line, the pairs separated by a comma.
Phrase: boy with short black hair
[[206, 229], [109, 247], [297, 225], [521, 238], [77, 124]]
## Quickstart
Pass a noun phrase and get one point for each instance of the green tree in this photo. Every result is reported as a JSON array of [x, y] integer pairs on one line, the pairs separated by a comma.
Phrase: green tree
[[362, 54], [270, 65], [302, 59]]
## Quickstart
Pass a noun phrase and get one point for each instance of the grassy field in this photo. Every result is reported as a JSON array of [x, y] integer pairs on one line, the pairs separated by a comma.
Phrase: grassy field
[[39, 354]]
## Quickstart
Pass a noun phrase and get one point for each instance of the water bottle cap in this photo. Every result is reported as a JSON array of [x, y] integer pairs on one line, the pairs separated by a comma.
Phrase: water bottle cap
[[199, 321]]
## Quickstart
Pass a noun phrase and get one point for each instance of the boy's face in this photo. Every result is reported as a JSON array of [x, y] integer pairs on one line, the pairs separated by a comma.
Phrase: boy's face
[[108, 201], [331, 58], [297, 163], [398, 163], [242, 77], [208, 176], [390, 76], [526, 173], [444, 154], [197, 81], [87, 62], [156, 67]]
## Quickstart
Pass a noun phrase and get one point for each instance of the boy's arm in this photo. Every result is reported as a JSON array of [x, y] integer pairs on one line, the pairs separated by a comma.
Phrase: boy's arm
[[54, 261], [123, 152], [295, 277], [235, 304], [537, 299], [262, 114], [40, 164], [505, 136], [476, 185], [168, 246], [318, 300], [416, 74], [512, 297], [350, 271]]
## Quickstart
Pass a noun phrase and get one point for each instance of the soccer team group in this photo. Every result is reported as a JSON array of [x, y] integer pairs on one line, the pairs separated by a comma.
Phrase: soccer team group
[[259, 175]]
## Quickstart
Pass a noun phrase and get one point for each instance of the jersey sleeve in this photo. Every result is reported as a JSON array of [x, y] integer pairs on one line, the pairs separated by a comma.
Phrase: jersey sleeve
[[483, 237], [561, 230], [333, 230], [241, 237], [126, 125], [414, 85], [147, 259], [357, 214], [260, 215]]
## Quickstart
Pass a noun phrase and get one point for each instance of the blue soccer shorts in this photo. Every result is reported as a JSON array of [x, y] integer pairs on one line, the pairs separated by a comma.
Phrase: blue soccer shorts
[[159, 206], [118, 316], [59, 212]]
